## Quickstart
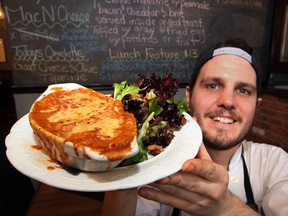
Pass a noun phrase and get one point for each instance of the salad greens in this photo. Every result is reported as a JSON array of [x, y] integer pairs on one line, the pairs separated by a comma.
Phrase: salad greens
[[157, 114], [122, 89]]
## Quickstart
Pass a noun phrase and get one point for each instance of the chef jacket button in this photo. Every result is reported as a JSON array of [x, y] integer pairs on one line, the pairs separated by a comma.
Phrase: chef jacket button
[[234, 179]]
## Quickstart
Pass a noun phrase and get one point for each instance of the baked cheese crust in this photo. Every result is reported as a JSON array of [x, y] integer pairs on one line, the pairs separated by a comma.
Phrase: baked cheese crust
[[86, 118]]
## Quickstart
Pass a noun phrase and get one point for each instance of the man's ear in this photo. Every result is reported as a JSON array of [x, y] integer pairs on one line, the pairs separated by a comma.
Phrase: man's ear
[[188, 94], [259, 100]]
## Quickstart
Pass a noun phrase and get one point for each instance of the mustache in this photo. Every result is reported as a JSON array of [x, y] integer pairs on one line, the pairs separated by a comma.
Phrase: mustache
[[224, 112]]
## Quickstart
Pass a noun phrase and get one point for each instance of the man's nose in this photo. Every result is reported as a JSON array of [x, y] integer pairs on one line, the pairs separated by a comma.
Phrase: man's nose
[[226, 100]]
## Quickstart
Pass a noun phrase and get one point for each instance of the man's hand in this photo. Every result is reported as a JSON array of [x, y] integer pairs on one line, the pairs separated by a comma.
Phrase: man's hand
[[200, 188]]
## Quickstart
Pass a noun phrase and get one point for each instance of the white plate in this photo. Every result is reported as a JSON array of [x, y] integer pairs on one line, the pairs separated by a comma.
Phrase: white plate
[[35, 164]]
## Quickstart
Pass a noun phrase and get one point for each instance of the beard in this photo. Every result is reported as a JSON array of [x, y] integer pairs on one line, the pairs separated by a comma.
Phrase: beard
[[222, 141]]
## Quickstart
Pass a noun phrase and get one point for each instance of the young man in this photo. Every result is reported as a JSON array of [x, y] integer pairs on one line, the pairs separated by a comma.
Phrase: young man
[[229, 176]]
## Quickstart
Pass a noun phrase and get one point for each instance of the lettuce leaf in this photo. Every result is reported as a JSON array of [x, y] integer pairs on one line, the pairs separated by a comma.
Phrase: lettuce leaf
[[122, 89], [181, 104], [154, 107], [142, 154]]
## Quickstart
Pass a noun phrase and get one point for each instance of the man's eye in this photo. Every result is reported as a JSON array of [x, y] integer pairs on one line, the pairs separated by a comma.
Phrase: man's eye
[[212, 86], [244, 91]]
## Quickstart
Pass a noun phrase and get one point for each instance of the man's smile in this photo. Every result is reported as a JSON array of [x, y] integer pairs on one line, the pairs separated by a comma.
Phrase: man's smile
[[224, 120]]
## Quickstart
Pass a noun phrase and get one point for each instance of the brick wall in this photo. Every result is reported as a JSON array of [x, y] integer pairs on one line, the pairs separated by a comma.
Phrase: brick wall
[[271, 122]]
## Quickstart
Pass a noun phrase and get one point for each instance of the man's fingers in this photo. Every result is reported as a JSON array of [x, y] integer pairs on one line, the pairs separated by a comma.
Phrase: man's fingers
[[170, 195], [191, 183], [206, 169], [203, 153]]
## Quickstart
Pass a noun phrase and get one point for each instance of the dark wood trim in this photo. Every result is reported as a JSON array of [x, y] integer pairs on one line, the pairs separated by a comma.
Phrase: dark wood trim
[[54, 201], [5, 66]]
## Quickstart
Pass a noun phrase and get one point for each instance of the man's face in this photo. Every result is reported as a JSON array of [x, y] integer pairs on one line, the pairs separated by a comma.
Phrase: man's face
[[224, 100]]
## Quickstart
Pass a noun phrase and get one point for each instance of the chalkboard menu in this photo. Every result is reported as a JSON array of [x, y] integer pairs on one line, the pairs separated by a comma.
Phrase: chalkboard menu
[[96, 43]]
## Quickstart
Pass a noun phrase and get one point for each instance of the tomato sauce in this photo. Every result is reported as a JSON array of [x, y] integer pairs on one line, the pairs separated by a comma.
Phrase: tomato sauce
[[85, 118]]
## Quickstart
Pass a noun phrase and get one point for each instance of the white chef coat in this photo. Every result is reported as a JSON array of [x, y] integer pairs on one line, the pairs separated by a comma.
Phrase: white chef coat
[[268, 171]]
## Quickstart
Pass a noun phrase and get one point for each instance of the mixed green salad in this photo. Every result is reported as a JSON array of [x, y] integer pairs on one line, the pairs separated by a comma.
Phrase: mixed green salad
[[158, 115]]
